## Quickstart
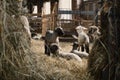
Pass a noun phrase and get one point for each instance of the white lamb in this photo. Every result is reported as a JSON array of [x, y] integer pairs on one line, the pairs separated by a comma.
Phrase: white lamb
[[69, 56], [54, 48], [75, 51], [83, 38]]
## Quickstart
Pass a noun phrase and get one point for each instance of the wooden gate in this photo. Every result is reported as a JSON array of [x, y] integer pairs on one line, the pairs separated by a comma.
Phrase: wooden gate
[[50, 21], [76, 19]]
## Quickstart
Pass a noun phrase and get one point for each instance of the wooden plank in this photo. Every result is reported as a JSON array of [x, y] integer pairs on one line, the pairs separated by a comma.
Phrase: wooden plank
[[38, 14], [48, 15], [44, 26], [68, 20], [76, 12]]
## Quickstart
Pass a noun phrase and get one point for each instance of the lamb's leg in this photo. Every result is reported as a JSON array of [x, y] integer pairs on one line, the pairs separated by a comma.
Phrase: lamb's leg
[[79, 48], [87, 48], [47, 50], [82, 48]]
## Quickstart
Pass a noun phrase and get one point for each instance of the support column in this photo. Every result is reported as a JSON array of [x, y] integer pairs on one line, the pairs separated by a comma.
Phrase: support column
[[40, 5]]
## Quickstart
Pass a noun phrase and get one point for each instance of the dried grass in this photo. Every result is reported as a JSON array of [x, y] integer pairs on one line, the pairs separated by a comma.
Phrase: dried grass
[[104, 58], [15, 46], [54, 68]]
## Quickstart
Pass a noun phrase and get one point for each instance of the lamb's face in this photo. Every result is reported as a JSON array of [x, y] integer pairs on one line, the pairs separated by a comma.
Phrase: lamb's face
[[94, 33], [59, 31], [94, 30], [80, 29]]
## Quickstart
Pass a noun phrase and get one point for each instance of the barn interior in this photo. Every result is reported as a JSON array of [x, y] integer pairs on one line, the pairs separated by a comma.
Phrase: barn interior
[[24, 58]]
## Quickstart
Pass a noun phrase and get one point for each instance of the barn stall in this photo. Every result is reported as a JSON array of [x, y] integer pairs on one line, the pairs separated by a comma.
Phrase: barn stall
[[54, 13]]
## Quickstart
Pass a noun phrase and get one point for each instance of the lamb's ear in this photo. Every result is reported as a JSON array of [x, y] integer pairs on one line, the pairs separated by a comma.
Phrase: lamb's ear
[[84, 28], [99, 27], [74, 36], [60, 31]]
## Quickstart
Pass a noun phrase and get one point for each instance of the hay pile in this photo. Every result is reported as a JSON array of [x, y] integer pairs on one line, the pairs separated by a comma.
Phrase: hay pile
[[104, 61], [52, 68], [14, 45], [98, 61]]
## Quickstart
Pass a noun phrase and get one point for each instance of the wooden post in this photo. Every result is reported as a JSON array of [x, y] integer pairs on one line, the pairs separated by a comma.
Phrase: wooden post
[[74, 16], [39, 5], [54, 16], [30, 6], [53, 3], [44, 23]]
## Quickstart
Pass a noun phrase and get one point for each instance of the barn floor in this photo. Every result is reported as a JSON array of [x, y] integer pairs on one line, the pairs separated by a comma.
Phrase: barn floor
[[54, 68], [38, 46]]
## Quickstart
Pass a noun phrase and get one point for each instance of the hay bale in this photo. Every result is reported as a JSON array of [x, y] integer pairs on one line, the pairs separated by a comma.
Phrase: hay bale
[[104, 57], [15, 47]]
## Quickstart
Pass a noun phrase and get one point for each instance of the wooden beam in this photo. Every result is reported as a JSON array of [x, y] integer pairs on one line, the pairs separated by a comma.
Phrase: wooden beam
[[53, 2], [40, 5]]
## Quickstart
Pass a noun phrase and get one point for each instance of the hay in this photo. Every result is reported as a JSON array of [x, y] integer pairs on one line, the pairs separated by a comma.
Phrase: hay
[[105, 58], [54, 68], [14, 46], [98, 60]]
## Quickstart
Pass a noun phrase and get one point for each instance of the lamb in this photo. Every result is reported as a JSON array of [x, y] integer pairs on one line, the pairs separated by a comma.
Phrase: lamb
[[75, 51], [70, 56], [83, 38], [94, 33], [55, 50], [52, 37]]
